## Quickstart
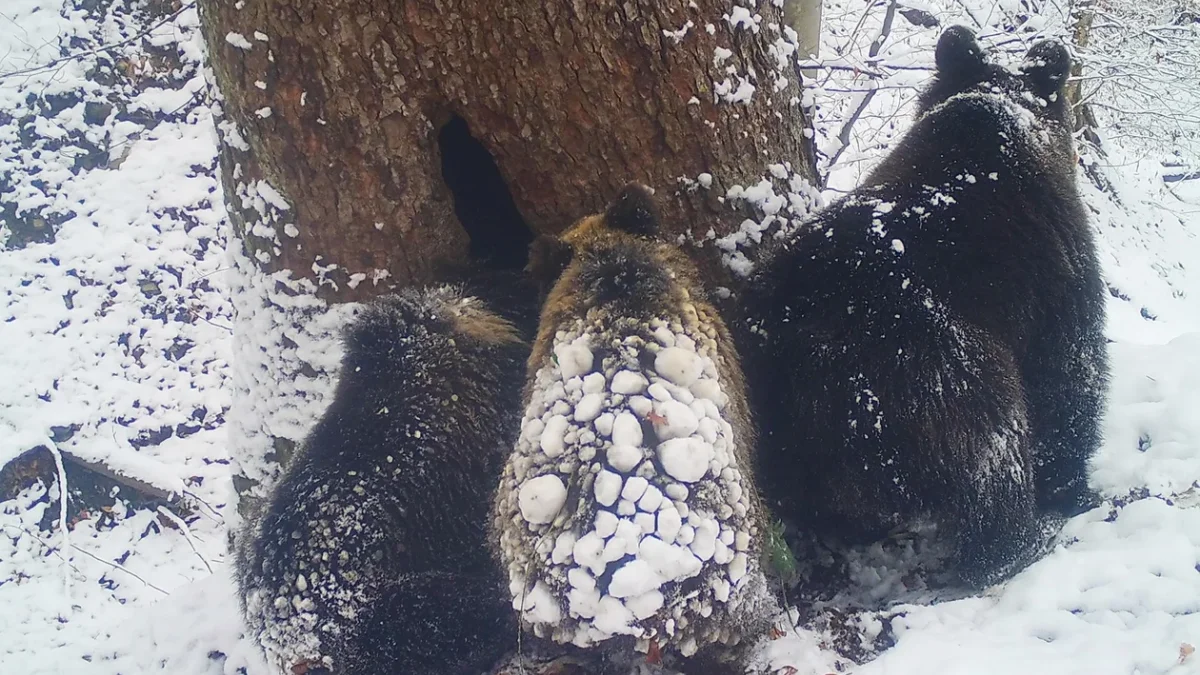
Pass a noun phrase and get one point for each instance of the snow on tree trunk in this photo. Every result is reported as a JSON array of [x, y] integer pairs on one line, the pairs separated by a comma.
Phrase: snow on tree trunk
[[366, 146]]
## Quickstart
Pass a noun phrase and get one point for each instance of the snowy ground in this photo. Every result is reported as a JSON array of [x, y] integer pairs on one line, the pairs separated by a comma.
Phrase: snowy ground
[[115, 343]]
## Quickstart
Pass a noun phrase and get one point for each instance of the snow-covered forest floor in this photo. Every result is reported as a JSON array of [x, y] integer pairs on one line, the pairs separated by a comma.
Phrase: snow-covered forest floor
[[116, 346]]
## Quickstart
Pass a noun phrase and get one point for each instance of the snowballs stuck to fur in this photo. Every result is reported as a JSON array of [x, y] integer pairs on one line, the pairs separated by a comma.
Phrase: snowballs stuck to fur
[[624, 484], [542, 498]]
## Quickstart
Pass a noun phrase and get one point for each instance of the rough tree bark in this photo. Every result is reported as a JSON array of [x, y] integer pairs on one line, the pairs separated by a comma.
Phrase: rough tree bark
[[382, 140], [351, 108]]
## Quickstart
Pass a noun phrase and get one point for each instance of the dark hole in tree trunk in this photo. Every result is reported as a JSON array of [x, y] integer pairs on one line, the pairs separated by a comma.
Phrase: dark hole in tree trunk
[[499, 235]]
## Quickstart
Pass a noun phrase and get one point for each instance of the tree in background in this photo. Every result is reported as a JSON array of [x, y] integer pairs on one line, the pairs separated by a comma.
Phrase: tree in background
[[804, 16], [1126, 78]]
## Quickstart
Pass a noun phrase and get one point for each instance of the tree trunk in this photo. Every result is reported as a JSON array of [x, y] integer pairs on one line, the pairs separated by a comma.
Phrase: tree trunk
[[383, 140], [1082, 14], [804, 16]]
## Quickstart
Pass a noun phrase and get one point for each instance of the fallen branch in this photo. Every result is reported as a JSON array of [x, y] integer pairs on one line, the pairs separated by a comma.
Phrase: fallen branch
[[92, 484], [141, 487]]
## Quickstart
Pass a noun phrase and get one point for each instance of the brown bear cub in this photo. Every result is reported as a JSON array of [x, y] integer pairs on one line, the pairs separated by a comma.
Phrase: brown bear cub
[[371, 556], [627, 515]]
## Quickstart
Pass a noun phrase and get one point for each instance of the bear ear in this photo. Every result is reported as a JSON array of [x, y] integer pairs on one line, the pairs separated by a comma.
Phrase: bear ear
[[1047, 66], [958, 54], [548, 257], [633, 211]]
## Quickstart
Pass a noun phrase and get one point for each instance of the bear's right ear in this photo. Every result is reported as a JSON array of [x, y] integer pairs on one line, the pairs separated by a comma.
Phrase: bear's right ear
[[1047, 64], [633, 211], [958, 54], [548, 257]]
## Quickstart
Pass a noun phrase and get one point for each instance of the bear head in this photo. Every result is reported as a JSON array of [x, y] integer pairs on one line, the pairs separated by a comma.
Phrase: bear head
[[1035, 87], [629, 223], [1037, 84]]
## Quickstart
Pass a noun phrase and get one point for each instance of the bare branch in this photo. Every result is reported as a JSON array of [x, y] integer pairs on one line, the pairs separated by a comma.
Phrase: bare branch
[[876, 46], [187, 534], [57, 63], [62, 515], [113, 564]]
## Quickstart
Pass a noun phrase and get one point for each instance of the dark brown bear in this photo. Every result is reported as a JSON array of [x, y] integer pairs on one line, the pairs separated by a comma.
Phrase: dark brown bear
[[931, 345]]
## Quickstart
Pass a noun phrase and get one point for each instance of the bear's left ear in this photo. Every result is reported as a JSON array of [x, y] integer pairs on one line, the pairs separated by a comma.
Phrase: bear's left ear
[[958, 55], [633, 211], [548, 257], [1047, 65]]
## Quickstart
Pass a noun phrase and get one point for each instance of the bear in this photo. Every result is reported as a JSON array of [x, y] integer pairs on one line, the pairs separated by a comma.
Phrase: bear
[[930, 347], [627, 516], [371, 554]]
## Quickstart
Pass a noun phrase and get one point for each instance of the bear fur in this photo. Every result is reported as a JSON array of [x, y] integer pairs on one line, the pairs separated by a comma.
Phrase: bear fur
[[931, 345], [371, 555], [627, 516]]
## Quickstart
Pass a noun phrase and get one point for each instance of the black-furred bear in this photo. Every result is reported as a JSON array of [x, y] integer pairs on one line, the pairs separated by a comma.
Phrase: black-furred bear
[[627, 516], [371, 555], [932, 344]]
